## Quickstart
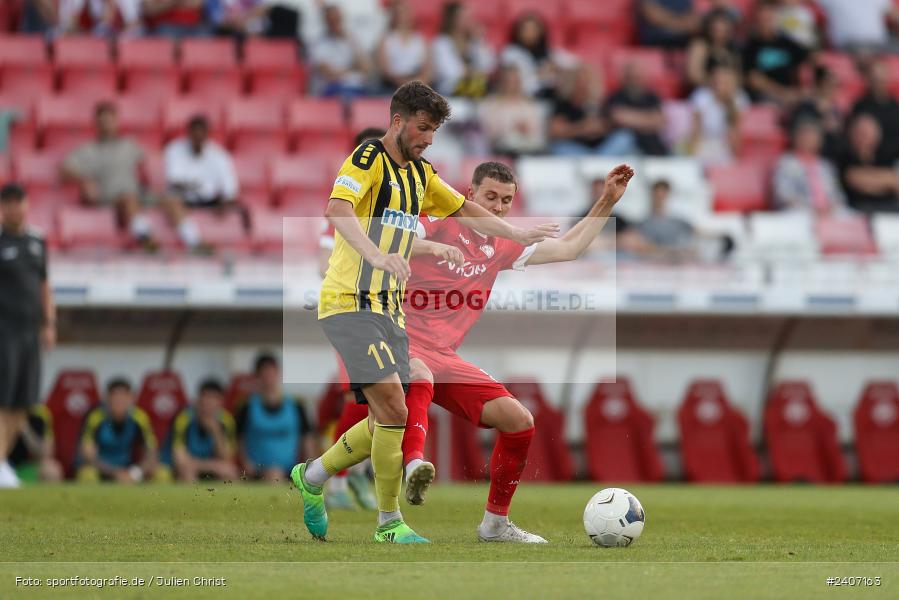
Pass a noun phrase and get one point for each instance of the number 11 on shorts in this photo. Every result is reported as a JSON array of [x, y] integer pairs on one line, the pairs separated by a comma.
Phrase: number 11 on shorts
[[373, 351]]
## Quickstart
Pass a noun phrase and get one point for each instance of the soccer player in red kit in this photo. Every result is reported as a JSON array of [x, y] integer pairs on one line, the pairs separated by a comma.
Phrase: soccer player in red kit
[[444, 298]]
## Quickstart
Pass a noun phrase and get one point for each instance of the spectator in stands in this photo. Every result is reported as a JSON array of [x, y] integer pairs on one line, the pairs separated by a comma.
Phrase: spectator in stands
[[512, 120], [716, 45], [771, 60], [668, 23], [715, 136], [860, 24], [821, 105], [868, 168], [339, 66], [204, 437], [667, 236], [107, 171], [462, 61], [403, 53], [529, 50], [100, 17], [175, 18], [878, 100], [803, 179], [117, 442], [636, 111], [272, 427], [33, 454], [199, 173], [239, 18], [797, 21]]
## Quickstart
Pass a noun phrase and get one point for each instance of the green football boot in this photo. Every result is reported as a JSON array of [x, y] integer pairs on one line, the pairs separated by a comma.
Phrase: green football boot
[[314, 514], [397, 532]]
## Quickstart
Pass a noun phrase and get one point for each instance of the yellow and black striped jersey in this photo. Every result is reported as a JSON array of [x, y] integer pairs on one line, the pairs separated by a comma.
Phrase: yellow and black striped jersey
[[387, 200]]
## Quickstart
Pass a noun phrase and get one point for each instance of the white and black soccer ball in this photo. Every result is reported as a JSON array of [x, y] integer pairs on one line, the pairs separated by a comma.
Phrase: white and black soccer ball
[[614, 517]]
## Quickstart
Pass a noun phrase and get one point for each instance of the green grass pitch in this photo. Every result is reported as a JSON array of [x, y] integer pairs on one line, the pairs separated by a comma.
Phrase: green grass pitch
[[699, 542]]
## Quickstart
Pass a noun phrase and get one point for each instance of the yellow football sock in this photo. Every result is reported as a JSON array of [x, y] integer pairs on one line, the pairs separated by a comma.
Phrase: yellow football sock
[[387, 460], [350, 449]]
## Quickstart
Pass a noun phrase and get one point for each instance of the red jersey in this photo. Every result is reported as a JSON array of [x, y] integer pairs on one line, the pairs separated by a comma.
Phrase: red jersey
[[444, 300]]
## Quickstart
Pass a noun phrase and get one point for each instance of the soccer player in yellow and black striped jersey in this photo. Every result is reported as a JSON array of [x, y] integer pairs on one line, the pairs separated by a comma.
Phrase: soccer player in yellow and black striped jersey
[[377, 197]]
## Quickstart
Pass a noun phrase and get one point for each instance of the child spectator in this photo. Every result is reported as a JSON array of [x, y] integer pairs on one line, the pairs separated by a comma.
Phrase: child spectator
[[204, 437]]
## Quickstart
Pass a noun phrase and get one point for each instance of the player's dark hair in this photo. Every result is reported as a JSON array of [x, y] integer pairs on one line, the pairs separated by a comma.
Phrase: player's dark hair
[[367, 134], [493, 170], [416, 96], [265, 359], [118, 383], [212, 385], [104, 106], [11, 192]]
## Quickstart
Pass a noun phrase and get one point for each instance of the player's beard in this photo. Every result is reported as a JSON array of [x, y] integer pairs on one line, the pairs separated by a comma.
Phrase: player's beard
[[405, 151]]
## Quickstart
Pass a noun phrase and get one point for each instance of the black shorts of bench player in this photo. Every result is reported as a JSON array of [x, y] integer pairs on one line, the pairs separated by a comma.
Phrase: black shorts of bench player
[[20, 368], [372, 347]]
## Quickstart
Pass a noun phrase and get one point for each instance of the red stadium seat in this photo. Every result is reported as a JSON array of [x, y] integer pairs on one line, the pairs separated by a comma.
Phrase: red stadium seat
[[224, 230], [714, 437], [23, 137], [651, 62], [272, 69], [317, 124], [739, 187], [801, 439], [85, 67], [252, 173], [153, 171], [140, 117], [611, 20], [761, 134], [64, 123], [162, 397], [210, 68], [849, 79], [147, 67], [549, 458], [163, 233], [25, 69], [241, 387], [74, 394], [298, 178], [89, 228], [256, 126], [619, 436], [269, 225], [369, 112], [36, 171], [877, 432], [844, 235]]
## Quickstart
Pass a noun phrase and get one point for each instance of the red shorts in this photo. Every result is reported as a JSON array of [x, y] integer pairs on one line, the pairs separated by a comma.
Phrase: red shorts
[[459, 386]]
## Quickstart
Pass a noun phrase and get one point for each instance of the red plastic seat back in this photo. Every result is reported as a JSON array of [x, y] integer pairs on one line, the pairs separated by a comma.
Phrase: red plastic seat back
[[877, 432], [549, 458], [802, 441], [619, 436], [74, 394], [242, 386], [162, 397]]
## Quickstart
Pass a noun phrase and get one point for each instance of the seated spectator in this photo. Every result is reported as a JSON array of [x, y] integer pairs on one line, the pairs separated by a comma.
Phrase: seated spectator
[[175, 18], [204, 437], [803, 179], [272, 427], [868, 168], [403, 54], [512, 121], [529, 50], [859, 24], [878, 100], [667, 237], [668, 23], [715, 136], [797, 21], [65, 17], [635, 110], [239, 17], [32, 455], [339, 66], [462, 61], [716, 45], [199, 174], [821, 105], [771, 60], [107, 171], [117, 442]]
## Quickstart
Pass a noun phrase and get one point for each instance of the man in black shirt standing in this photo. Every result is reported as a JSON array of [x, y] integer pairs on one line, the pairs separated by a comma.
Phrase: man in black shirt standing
[[27, 318]]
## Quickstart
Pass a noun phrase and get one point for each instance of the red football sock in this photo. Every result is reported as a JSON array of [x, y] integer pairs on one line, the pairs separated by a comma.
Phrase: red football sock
[[351, 414], [418, 399], [510, 454]]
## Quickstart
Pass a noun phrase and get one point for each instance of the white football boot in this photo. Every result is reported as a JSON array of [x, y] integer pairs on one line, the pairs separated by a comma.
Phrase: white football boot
[[511, 533]]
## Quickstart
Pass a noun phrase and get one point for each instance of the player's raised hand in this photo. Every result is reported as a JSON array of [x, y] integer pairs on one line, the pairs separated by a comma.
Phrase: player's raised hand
[[448, 253], [395, 264], [616, 182], [526, 237]]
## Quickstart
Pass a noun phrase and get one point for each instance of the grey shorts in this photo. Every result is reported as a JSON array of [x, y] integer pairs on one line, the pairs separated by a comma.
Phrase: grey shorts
[[20, 368]]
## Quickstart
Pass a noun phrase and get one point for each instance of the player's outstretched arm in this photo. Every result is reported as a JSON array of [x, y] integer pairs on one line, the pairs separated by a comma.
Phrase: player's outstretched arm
[[576, 240], [340, 214], [480, 219]]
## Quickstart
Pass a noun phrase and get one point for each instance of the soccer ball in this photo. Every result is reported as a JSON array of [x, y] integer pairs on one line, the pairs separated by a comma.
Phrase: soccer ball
[[613, 517]]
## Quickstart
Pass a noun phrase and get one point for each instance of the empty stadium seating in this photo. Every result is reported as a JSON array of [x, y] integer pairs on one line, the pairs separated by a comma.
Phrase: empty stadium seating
[[714, 437], [85, 67], [272, 69], [845, 235], [619, 442], [877, 432], [73, 395], [739, 187], [162, 397], [801, 439], [147, 67], [548, 458]]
